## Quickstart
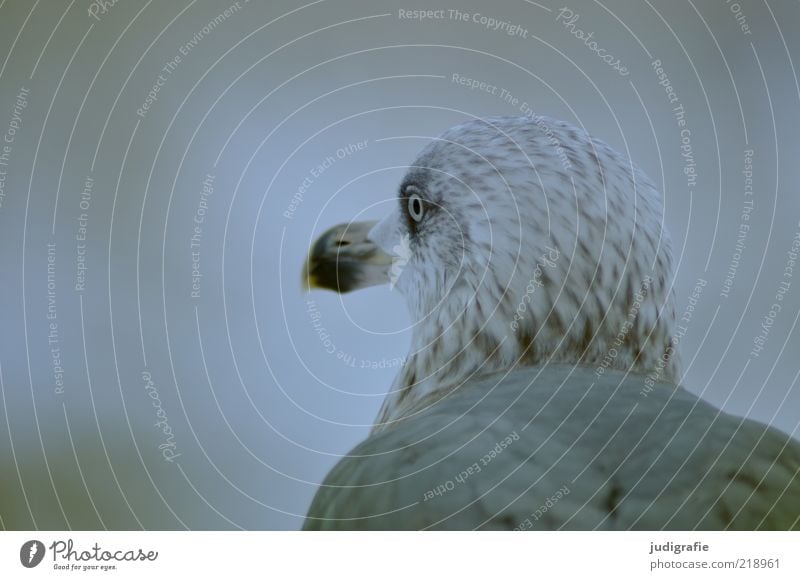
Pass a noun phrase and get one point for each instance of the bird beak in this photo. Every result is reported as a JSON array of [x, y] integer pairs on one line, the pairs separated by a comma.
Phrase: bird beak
[[344, 259]]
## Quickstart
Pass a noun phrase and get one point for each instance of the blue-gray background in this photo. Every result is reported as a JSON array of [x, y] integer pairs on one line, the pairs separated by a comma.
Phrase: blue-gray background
[[261, 395]]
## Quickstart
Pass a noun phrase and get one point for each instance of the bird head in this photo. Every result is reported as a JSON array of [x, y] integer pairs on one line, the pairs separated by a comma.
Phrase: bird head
[[515, 241]]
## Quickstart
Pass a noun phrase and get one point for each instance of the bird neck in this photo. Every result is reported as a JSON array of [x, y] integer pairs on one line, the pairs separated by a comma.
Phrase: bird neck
[[450, 350], [441, 360]]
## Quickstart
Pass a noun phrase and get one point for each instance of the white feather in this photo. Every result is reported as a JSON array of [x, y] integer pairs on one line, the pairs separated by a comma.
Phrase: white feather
[[541, 246]]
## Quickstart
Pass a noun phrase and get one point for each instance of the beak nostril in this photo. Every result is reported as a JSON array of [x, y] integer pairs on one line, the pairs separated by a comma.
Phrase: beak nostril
[[342, 243]]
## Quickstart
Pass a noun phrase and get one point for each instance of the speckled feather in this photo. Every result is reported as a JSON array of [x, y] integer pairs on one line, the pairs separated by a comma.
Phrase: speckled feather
[[502, 193], [536, 212]]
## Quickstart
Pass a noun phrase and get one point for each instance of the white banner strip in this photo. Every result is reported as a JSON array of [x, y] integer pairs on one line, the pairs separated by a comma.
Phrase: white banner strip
[[352, 555]]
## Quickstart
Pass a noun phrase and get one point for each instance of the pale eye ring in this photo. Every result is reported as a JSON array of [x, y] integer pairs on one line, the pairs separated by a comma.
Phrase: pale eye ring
[[416, 207]]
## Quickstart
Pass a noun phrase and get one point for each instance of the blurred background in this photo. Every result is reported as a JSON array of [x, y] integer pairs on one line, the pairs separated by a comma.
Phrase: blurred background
[[164, 167]]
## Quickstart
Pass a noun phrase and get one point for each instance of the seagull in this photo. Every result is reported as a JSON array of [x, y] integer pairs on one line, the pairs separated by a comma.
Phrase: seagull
[[542, 386]]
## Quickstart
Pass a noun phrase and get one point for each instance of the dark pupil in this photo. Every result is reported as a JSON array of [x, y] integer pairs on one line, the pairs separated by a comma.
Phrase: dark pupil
[[416, 206]]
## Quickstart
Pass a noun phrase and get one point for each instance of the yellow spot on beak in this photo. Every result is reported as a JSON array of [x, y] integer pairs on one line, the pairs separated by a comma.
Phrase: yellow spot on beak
[[308, 280]]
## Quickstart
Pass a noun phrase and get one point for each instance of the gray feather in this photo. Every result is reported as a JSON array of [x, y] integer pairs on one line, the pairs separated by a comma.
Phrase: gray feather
[[619, 458]]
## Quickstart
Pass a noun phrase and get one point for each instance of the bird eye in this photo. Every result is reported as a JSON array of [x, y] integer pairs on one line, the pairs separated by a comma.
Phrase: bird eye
[[416, 207]]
